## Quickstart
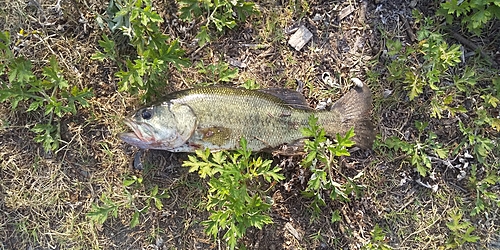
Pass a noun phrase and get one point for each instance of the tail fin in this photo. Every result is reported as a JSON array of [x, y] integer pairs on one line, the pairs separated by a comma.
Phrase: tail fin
[[354, 110]]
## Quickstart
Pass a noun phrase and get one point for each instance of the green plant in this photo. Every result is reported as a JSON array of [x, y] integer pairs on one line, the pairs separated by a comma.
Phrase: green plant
[[418, 153], [100, 213], [461, 232], [483, 186], [216, 73], [473, 14], [133, 198], [437, 57], [483, 150], [110, 51], [321, 161], [250, 84], [236, 199], [482, 146], [378, 240], [51, 92], [155, 51], [222, 14]]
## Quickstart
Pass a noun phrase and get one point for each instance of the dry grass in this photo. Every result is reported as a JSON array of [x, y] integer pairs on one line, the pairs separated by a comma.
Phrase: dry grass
[[45, 198]]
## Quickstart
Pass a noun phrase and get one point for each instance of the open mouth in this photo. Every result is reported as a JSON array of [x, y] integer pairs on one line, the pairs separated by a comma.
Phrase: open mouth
[[141, 135]]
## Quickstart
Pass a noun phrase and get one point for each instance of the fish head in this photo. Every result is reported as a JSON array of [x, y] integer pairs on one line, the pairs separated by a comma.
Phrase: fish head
[[166, 126]]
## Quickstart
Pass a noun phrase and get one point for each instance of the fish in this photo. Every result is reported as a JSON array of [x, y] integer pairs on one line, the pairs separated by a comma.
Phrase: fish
[[217, 117]]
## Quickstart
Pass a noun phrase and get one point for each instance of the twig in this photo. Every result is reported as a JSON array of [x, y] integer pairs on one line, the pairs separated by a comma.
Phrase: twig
[[472, 46], [408, 29]]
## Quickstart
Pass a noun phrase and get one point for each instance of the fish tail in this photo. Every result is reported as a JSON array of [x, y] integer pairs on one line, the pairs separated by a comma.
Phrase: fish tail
[[353, 110]]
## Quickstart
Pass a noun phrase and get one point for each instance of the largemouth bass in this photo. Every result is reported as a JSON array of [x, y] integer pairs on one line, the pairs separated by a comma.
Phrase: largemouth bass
[[218, 117]]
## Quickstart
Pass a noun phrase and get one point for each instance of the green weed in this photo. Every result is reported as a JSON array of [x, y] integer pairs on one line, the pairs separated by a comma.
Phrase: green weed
[[216, 73], [461, 232], [221, 14], [473, 14], [437, 57], [155, 51], [321, 160], [237, 199], [485, 151], [250, 84], [484, 197], [100, 213], [299, 8], [110, 51], [51, 92], [134, 197], [419, 152], [378, 240]]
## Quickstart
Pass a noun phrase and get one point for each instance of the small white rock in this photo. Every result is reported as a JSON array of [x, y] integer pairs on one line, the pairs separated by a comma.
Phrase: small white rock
[[317, 17], [300, 38], [387, 93]]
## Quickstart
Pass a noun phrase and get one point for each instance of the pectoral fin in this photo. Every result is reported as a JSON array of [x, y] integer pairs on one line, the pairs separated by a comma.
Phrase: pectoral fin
[[215, 135]]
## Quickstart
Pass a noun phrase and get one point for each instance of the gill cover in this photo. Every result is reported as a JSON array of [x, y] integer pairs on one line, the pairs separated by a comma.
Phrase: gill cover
[[185, 123]]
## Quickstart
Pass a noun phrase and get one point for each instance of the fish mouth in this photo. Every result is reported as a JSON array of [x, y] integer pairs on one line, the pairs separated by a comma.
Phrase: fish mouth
[[141, 136]]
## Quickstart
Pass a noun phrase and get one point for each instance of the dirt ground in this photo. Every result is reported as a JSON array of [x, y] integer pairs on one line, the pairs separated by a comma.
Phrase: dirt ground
[[45, 197]]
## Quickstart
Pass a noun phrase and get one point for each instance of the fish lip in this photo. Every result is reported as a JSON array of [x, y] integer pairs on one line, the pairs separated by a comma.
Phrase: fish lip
[[136, 132]]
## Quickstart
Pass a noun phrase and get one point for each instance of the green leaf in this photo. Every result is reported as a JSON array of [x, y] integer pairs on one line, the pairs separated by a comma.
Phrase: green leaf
[[394, 47], [128, 182], [442, 153], [452, 6], [48, 135], [98, 56], [336, 216], [422, 169], [135, 219], [495, 124], [158, 204], [34, 106], [188, 9], [480, 18], [20, 71], [470, 238]]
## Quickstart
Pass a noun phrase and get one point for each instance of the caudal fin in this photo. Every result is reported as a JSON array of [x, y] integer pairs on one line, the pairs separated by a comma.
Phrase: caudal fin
[[354, 110]]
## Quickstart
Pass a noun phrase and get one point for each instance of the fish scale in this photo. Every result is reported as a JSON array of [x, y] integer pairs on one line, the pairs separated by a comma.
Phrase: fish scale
[[263, 120], [218, 117]]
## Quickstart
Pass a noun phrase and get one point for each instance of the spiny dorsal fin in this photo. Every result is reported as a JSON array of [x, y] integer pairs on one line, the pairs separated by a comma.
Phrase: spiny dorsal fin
[[290, 97]]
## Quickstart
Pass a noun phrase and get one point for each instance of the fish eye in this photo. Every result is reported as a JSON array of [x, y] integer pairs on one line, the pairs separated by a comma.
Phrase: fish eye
[[146, 114]]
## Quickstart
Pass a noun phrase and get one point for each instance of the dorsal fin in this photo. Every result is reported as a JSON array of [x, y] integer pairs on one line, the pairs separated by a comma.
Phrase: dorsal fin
[[288, 96]]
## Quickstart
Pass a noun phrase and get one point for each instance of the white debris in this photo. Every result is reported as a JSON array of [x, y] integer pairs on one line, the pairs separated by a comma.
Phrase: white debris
[[300, 38], [387, 93], [328, 80], [345, 12], [434, 187], [404, 180], [357, 82], [317, 17], [236, 63], [293, 231], [432, 175], [323, 104], [462, 175]]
